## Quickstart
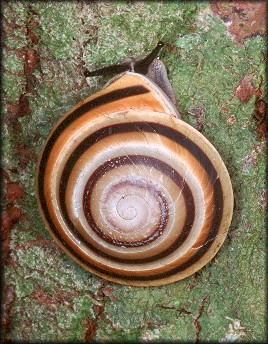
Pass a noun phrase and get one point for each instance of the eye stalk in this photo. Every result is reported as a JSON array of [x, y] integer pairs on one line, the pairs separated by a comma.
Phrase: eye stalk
[[138, 65]]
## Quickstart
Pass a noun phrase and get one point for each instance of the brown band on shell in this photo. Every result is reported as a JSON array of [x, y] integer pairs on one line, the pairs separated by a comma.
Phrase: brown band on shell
[[83, 109]]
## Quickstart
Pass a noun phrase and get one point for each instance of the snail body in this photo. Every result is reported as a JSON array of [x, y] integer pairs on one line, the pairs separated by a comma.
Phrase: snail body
[[131, 192]]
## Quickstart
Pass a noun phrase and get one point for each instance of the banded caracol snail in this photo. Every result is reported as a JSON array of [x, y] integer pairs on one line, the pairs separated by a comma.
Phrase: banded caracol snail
[[127, 189]]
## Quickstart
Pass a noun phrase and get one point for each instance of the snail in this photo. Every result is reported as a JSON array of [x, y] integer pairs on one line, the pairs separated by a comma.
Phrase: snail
[[127, 189]]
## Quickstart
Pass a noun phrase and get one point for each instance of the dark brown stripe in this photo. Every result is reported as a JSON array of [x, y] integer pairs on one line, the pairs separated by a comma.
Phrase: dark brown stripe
[[95, 103], [192, 149]]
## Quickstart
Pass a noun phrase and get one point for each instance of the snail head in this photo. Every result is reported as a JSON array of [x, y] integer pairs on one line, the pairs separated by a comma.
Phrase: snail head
[[138, 65]]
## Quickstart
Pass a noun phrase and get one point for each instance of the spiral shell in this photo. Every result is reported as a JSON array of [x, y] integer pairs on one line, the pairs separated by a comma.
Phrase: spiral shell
[[131, 192]]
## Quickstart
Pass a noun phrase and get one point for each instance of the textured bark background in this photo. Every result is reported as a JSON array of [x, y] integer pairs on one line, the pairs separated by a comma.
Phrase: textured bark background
[[216, 55]]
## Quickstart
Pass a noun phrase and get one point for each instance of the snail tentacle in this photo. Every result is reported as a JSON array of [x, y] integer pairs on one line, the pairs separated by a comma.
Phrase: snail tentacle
[[142, 65], [139, 65]]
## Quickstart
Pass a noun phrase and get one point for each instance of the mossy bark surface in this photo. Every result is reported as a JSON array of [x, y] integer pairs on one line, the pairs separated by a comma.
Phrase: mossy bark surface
[[215, 55]]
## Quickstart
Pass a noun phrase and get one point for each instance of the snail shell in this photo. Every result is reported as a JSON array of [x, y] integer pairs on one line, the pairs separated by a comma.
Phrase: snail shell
[[131, 192]]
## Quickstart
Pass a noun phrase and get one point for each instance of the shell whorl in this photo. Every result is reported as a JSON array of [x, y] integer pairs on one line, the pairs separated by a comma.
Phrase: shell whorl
[[132, 193]]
